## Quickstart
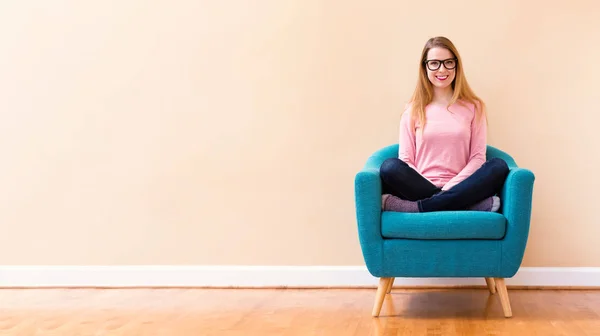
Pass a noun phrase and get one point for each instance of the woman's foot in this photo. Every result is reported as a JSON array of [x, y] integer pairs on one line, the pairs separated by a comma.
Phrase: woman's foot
[[489, 204], [384, 197], [394, 203]]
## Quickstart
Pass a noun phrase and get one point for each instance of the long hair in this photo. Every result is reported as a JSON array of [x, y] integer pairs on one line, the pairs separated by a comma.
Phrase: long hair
[[423, 94]]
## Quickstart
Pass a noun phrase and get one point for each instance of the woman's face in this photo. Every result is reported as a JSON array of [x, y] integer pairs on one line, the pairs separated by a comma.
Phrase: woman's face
[[441, 67]]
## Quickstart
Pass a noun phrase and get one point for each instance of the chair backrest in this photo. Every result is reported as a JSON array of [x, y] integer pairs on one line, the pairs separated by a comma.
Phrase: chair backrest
[[391, 151]]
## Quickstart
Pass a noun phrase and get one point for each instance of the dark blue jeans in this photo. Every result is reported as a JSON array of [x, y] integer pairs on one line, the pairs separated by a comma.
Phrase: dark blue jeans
[[400, 180]]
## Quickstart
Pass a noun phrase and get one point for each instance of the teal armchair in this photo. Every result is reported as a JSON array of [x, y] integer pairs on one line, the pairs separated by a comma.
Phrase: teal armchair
[[463, 244]]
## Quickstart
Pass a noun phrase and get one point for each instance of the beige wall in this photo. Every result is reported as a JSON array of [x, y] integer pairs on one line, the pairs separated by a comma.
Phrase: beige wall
[[229, 132]]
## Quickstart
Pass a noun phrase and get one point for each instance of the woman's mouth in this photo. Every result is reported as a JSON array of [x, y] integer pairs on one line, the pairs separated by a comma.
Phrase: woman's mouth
[[441, 78]]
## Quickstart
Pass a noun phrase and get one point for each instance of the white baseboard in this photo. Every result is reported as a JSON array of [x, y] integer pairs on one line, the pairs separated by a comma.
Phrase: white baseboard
[[265, 276]]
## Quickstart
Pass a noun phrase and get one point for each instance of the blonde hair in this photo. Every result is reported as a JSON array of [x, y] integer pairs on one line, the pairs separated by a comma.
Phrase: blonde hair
[[423, 94]]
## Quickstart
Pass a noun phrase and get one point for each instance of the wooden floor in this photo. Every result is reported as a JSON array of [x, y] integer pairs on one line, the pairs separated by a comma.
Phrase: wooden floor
[[179, 312]]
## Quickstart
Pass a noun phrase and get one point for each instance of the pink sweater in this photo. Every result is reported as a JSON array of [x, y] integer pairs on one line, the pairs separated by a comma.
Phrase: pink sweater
[[452, 147]]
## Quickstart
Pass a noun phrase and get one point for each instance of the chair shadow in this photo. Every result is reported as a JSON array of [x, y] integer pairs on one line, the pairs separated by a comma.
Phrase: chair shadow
[[395, 311], [439, 304], [480, 304]]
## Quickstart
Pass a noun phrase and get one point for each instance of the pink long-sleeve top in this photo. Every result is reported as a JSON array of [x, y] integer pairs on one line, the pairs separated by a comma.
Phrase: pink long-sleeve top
[[452, 146]]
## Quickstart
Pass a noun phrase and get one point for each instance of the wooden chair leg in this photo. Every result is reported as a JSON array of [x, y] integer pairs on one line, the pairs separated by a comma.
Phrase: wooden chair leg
[[501, 286], [384, 283], [389, 289], [491, 285]]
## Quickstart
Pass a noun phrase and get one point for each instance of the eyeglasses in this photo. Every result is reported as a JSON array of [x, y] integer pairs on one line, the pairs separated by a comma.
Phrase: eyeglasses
[[433, 64]]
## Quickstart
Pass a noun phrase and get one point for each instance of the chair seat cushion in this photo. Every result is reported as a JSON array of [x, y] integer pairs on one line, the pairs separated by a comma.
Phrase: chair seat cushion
[[443, 225]]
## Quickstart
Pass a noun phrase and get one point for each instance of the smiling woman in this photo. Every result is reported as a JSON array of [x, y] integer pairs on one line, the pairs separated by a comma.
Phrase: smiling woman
[[441, 163]]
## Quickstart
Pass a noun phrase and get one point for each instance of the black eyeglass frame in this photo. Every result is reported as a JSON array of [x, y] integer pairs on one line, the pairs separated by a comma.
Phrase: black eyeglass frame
[[441, 62]]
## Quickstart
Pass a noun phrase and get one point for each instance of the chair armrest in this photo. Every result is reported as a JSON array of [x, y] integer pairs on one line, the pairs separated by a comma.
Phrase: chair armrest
[[516, 195], [367, 185]]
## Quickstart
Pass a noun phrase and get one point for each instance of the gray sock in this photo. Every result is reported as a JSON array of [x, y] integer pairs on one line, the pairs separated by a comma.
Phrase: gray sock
[[393, 203], [489, 204]]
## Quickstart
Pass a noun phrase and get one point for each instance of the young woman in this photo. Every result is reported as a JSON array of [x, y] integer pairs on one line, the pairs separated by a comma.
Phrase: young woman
[[443, 137]]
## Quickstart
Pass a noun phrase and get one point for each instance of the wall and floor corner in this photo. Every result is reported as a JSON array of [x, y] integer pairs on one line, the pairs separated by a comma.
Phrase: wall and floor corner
[[269, 277], [211, 143]]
